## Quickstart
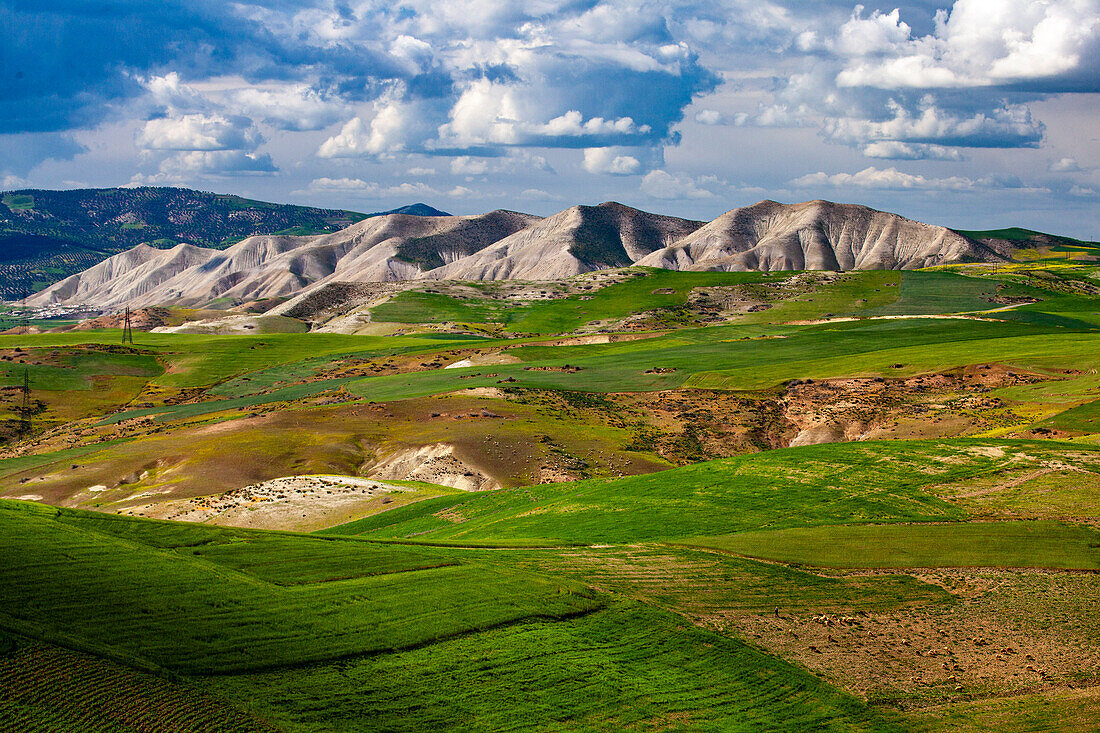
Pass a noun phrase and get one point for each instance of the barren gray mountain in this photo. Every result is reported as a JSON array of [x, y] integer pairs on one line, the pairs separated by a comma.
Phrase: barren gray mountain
[[816, 235], [380, 249], [579, 239]]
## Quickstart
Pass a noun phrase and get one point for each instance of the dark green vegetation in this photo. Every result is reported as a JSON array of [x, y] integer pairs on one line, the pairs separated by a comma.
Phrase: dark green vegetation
[[48, 235], [1024, 237]]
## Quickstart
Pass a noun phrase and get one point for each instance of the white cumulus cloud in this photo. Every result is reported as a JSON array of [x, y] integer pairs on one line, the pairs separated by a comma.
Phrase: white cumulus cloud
[[610, 161], [1066, 165], [387, 132], [201, 132], [976, 43], [895, 150]]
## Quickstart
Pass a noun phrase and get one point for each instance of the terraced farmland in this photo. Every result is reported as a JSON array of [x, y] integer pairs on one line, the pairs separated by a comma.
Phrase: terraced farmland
[[47, 688]]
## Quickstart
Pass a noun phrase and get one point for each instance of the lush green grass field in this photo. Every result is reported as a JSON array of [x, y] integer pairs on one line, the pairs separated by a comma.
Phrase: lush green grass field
[[78, 370], [629, 667], [154, 607], [732, 357], [1085, 418], [723, 357], [645, 289], [248, 371], [943, 292], [202, 360], [845, 483], [421, 307], [327, 631], [875, 349], [871, 293], [293, 629], [1042, 544]]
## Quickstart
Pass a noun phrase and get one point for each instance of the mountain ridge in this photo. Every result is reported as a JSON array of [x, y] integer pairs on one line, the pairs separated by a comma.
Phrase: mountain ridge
[[46, 235], [505, 244], [817, 235]]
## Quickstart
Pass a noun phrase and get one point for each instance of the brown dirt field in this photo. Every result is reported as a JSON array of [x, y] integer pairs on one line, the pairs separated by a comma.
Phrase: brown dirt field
[[1009, 632]]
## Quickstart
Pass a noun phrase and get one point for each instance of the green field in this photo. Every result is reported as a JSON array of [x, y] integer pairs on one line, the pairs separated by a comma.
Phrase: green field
[[628, 667], [331, 631], [55, 567], [719, 357], [756, 352], [979, 544], [849, 483], [643, 290], [248, 609]]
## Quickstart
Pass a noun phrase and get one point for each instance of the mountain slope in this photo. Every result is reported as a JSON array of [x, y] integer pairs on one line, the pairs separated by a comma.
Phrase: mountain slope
[[47, 235], [816, 235], [579, 239], [378, 249], [508, 245]]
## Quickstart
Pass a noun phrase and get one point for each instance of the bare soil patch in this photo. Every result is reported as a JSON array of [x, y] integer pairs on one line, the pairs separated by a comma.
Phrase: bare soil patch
[[294, 502]]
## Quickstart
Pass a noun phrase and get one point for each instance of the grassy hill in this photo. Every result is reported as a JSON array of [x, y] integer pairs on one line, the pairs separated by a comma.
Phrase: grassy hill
[[312, 634], [644, 625]]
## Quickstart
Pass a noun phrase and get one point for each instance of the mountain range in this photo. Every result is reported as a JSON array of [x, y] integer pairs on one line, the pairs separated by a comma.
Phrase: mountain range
[[48, 235], [510, 245]]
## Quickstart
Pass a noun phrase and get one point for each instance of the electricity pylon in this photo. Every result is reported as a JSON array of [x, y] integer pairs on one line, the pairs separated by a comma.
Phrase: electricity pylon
[[127, 329]]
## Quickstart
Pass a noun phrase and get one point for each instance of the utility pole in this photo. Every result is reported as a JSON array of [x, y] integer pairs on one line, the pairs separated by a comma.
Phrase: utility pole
[[127, 329]]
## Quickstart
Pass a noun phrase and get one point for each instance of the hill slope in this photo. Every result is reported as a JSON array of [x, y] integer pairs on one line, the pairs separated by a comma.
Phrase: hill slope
[[579, 239], [379, 249], [816, 235], [47, 235]]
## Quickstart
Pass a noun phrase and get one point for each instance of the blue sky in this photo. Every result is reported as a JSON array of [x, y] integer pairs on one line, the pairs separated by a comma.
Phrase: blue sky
[[976, 113]]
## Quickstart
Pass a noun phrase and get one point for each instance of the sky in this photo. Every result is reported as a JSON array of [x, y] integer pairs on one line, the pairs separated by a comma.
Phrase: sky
[[972, 114]]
